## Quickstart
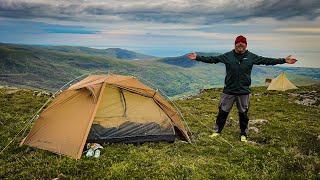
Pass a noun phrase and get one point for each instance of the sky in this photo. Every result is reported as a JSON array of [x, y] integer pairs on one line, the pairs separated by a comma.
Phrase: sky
[[273, 28]]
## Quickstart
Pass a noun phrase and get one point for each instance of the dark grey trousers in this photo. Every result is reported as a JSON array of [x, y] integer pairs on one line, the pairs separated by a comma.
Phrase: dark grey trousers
[[225, 105]]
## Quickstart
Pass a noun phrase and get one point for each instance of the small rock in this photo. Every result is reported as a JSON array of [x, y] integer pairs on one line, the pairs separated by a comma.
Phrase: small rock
[[197, 99], [254, 129], [60, 176], [294, 94], [231, 123], [304, 92], [185, 98], [258, 122], [257, 94], [318, 138], [11, 91], [252, 142]]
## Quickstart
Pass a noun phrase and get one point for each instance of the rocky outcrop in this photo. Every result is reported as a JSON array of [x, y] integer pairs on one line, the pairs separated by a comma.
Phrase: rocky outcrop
[[307, 98]]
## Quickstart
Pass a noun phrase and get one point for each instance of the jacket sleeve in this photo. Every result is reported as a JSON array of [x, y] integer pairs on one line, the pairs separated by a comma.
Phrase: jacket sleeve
[[267, 61], [212, 59]]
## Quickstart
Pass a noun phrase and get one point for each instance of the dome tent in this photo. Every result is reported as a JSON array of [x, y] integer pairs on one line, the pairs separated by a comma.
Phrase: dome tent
[[281, 83], [105, 108]]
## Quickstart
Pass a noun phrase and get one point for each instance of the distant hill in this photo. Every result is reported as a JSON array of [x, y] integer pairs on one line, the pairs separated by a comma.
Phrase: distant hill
[[44, 68], [110, 52], [125, 54], [183, 61]]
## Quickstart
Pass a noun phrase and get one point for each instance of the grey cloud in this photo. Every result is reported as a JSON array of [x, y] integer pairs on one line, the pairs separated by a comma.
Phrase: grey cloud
[[286, 9], [29, 10], [165, 11]]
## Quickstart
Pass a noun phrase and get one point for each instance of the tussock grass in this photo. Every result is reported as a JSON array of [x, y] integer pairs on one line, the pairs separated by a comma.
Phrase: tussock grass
[[286, 148]]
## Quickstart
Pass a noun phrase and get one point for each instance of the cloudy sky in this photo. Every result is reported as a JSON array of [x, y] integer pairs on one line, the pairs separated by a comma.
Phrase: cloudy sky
[[274, 28]]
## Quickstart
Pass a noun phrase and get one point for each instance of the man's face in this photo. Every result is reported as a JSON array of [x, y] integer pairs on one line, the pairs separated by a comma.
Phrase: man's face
[[240, 47]]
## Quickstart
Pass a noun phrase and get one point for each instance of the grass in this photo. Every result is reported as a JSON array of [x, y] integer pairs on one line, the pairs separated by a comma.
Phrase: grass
[[286, 148]]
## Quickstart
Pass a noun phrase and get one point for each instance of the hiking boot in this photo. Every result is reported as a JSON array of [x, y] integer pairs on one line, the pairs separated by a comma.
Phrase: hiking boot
[[243, 139], [214, 135]]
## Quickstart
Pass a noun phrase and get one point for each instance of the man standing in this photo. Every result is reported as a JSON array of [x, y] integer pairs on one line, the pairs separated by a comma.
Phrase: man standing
[[239, 63]]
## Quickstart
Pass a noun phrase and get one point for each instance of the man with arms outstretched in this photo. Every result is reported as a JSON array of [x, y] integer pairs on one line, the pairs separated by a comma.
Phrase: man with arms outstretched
[[238, 63]]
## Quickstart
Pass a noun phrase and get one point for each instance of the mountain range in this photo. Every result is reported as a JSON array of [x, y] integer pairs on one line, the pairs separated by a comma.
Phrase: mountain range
[[50, 67]]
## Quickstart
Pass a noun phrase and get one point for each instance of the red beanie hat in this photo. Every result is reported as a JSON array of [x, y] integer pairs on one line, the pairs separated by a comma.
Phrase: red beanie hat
[[240, 39]]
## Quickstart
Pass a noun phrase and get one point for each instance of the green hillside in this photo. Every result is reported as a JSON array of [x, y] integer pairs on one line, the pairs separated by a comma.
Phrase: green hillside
[[48, 68], [110, 52], [33, 67], [287, 147], [43, 69]]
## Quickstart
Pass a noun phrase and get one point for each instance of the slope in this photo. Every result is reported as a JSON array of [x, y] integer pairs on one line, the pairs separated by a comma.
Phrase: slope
[[33, 67], [40, 68], [286, 147], [110, 52]]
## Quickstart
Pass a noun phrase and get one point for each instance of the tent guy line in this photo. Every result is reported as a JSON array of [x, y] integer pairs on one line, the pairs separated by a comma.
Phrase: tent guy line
[[36, 115]]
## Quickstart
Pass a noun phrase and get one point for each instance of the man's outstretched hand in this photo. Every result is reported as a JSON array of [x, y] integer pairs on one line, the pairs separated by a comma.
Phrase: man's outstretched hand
[[290, 60], [192, 56]]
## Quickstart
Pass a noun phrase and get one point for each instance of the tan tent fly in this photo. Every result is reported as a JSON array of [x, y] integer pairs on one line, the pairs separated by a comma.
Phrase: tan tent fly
[[281, 83], [105, 108]]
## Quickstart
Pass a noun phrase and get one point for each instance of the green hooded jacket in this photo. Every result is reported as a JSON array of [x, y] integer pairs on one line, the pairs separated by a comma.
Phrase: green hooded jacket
[[238, 69]]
